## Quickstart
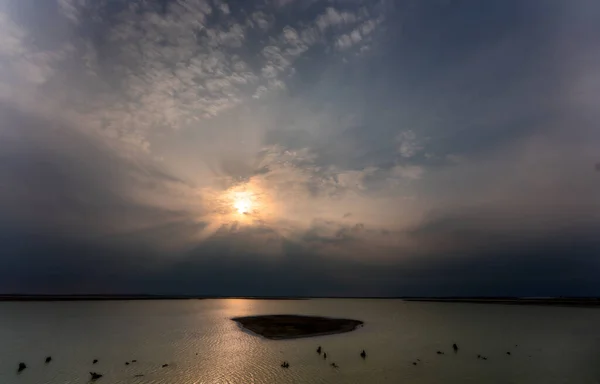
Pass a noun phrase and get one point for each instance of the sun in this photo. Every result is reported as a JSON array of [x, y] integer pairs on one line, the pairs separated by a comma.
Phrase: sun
[[242, 204]]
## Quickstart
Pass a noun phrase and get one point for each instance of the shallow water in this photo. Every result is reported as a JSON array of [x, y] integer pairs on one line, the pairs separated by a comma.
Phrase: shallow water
[[202, 345]]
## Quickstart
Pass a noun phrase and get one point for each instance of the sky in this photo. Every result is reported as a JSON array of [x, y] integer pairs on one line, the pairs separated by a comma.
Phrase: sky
[[300, 147]]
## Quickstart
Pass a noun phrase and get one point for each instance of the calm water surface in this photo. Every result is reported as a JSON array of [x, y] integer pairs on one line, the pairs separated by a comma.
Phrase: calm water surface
[[201, 345]]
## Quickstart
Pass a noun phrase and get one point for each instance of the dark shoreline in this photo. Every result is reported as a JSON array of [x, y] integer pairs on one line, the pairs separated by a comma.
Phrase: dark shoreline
[[130, 297], [550, 301], [87, 297], [285, 327], [559, 302]]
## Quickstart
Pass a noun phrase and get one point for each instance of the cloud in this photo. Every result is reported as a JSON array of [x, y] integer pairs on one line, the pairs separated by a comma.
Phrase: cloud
[[359, 36], [261, 20], [293, 196], [283, 3], [60, 180], [161, 68], [369, 26], [332, 17], [132, 129], [412, 172], [26, 64], [408, 144], [344, 42], [223, 7], [71, 9]]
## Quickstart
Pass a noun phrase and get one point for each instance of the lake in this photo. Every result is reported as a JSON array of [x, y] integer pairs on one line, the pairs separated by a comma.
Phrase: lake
[[202, 345]]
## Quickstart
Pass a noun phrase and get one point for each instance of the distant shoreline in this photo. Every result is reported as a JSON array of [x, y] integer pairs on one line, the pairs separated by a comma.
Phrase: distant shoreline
[[560, 302], [547, 301], [129, 297]]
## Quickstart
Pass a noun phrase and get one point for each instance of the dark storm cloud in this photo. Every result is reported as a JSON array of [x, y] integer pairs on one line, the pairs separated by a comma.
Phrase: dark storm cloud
[[56, 179], [391, 148], [509, 266], [546, 267]]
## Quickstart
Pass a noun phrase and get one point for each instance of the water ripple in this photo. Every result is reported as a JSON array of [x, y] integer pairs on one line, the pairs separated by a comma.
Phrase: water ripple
[[203, 346]]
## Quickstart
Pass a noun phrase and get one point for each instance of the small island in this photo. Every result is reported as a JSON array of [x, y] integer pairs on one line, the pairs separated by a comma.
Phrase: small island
[[281, 327]]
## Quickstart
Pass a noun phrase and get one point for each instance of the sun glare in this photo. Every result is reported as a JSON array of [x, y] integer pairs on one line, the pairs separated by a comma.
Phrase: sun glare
[[242, 204]]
